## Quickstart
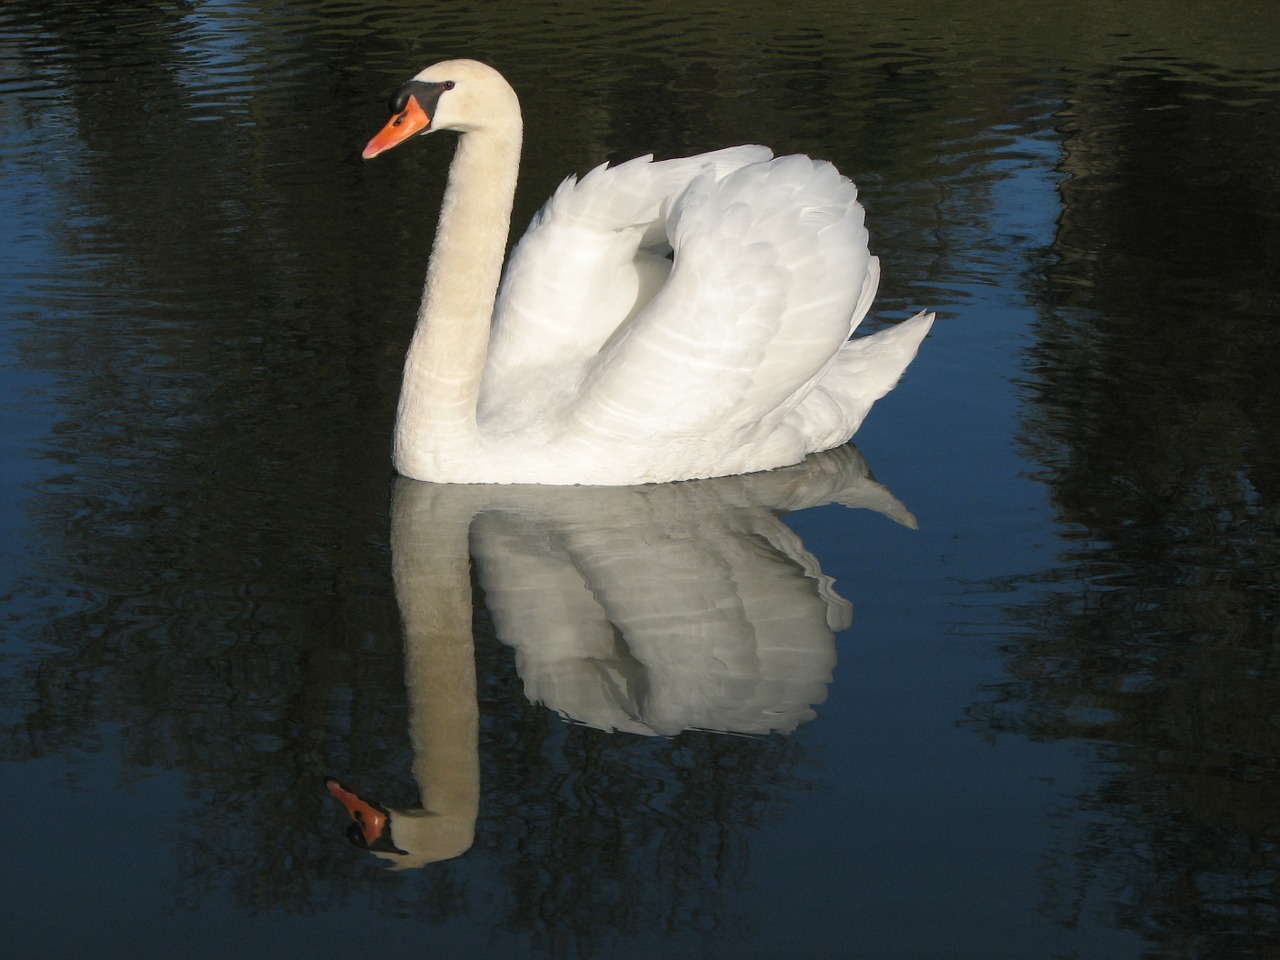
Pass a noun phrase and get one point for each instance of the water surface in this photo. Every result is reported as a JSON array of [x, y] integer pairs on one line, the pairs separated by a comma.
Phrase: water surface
[[1016, 696]]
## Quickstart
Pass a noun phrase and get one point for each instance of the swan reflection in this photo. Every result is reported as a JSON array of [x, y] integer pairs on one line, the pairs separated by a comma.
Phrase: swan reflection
[[649, 610]]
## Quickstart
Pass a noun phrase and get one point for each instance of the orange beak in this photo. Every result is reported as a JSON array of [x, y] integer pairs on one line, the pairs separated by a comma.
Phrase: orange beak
[[412, 119], [366, 818]]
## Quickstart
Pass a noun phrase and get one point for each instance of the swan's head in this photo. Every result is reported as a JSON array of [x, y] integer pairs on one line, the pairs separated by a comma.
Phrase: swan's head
[[462, 95], [427, 837]]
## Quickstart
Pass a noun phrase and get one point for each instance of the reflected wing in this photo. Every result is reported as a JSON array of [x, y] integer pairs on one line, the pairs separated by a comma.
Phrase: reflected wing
[[654, 628]]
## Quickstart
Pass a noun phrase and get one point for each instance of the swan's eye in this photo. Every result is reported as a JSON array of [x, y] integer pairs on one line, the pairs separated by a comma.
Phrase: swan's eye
[[425, 93]]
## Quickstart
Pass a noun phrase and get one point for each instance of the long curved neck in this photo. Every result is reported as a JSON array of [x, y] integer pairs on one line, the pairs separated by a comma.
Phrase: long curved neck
[[446, 356]]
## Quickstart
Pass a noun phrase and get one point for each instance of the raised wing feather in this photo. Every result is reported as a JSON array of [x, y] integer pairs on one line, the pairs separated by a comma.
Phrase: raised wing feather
[[590, 258], [771, 273]]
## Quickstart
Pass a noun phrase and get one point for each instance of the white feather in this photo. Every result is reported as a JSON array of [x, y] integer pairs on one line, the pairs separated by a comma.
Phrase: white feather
[[657, 321]]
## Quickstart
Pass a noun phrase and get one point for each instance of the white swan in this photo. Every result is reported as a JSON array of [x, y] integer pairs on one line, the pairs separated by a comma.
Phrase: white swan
[[658, 321]]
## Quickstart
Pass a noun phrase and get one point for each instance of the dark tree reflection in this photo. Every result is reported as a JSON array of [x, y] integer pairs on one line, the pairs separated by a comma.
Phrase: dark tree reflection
[[1154, 421], [593, 822], [209, 296]]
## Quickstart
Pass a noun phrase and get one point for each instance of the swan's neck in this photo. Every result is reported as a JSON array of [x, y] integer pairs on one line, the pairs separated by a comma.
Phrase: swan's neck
[[445, 361]]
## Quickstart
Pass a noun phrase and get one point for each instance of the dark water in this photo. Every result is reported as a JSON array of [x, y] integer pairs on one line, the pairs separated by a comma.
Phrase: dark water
[[1050, 725]]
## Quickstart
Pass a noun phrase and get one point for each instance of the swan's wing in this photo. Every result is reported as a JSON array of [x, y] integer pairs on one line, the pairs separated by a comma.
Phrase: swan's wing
[[771, 273], [595, 250]]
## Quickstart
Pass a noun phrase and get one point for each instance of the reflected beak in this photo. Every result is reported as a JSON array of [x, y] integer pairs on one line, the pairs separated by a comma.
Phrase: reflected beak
[[368, 821], [409, 121]]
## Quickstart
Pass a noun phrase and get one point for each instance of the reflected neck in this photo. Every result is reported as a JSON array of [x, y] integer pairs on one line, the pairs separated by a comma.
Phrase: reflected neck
[[431, 563]]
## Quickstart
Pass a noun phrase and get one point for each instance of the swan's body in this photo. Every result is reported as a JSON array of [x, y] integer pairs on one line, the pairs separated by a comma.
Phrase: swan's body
[[658, 320]]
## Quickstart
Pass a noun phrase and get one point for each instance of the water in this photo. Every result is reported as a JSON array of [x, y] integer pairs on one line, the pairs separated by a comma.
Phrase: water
[[1047, 727]]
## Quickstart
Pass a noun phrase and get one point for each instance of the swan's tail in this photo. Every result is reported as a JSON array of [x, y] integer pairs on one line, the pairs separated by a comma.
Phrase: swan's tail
[[865, 369]]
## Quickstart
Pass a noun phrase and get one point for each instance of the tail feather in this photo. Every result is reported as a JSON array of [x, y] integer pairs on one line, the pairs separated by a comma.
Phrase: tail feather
[[865, 369]]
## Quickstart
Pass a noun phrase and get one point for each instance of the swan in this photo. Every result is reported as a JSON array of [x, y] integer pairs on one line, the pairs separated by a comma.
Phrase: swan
[[658, 321]]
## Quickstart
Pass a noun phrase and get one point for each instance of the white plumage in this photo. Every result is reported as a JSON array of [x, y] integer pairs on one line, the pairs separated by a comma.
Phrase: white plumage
[[658, 320]]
